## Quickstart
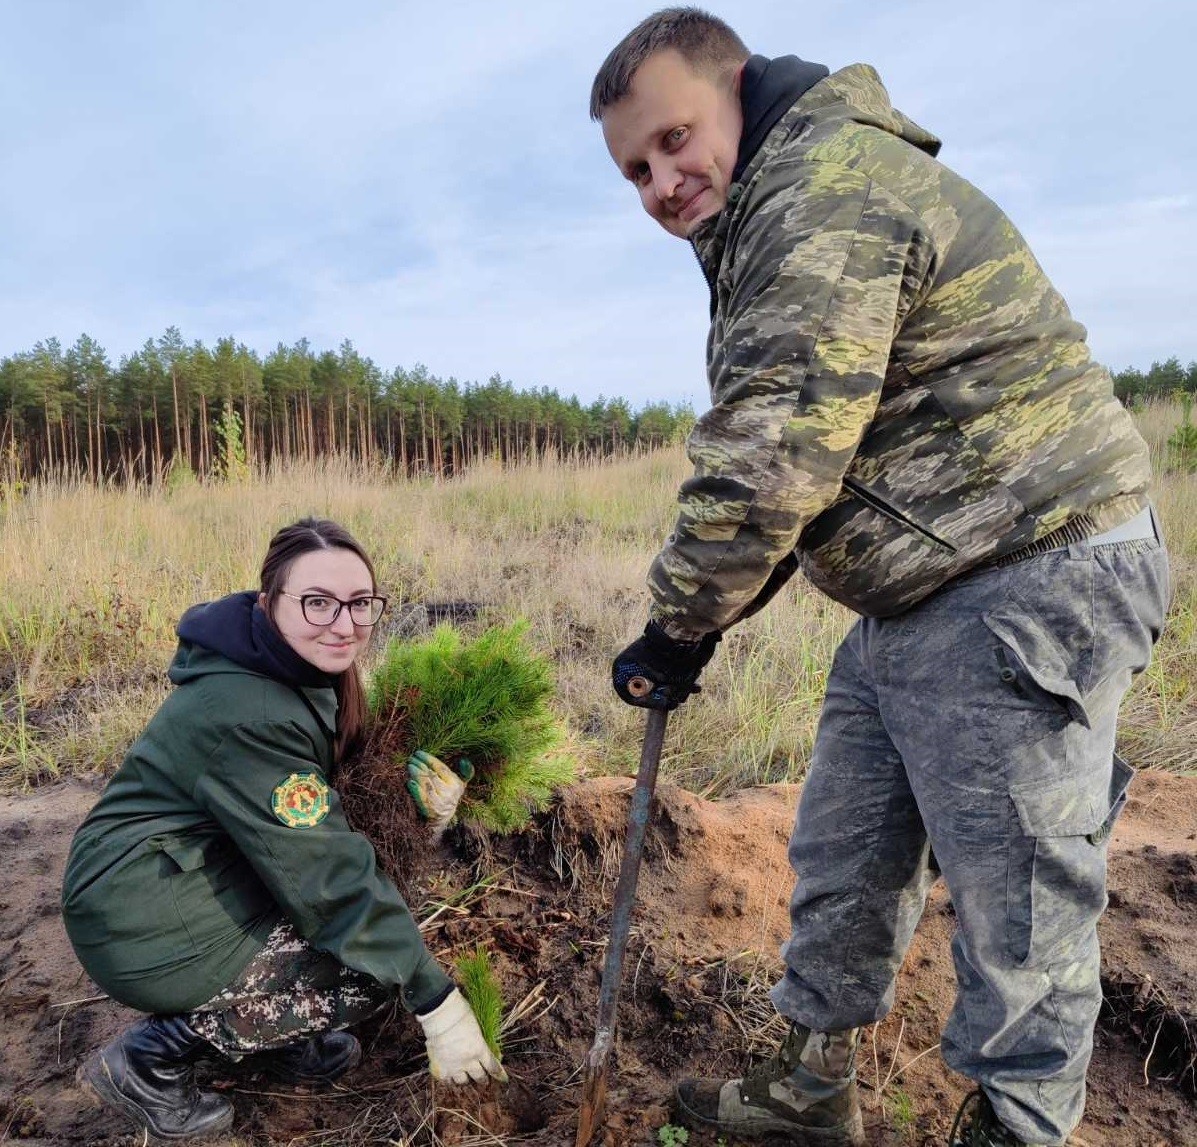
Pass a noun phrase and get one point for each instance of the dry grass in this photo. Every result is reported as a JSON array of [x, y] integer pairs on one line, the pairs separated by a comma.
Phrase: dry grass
[[94, 580]]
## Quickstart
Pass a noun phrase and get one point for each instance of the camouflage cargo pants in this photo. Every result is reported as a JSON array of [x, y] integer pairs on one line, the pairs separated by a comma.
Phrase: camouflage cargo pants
[[288, 992], [977, 729]]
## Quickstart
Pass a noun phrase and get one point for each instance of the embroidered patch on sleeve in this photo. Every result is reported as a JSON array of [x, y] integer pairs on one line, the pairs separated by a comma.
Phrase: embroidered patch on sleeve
[[301, 800]]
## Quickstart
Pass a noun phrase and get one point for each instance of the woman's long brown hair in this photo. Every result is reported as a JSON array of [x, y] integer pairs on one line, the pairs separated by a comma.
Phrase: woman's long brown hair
[[289, 543]]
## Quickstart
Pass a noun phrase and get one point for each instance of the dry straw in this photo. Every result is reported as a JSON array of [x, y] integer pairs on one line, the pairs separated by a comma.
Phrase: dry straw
[[93, 579]]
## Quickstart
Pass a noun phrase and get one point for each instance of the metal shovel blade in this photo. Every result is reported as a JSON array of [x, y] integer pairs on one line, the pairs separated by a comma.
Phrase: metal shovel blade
[[594, 1082]]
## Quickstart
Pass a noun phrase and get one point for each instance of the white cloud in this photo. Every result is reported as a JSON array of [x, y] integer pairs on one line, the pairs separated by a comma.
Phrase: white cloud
[[424, 179], [1126, 271]]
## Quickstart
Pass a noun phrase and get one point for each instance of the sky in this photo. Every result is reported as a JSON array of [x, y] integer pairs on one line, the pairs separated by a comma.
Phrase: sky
[[424, 180]]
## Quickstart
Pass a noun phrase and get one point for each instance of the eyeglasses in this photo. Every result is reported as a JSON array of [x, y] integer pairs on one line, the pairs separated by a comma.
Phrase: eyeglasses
[[321, 609]]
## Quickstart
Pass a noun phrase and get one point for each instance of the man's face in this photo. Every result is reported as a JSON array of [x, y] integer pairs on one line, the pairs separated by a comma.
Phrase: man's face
[[675, 135]]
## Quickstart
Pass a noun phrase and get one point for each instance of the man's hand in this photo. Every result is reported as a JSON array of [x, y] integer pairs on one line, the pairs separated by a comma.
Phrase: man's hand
[[456, 1050], [671, 666], [436, 788]]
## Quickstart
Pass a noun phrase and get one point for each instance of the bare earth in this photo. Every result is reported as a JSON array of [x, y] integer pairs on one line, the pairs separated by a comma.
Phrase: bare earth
[[703, 952]]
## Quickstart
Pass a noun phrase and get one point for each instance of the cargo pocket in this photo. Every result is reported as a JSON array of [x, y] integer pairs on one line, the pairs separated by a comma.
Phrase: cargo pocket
[[1031, 659], [188, 855], [186, 865], [1056, 880]]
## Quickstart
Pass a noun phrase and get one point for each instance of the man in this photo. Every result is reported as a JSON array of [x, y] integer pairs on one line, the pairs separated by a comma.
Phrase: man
[[902, 406]]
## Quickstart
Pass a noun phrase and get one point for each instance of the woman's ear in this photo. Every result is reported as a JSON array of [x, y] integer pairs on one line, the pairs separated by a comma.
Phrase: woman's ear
[[262, 604]]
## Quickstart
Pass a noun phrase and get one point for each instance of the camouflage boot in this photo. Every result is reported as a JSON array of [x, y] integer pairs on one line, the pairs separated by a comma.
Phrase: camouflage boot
[[977, 1125], [806, 1093]]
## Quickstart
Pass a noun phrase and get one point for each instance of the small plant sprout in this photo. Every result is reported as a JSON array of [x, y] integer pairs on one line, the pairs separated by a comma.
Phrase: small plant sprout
[[480, 987]]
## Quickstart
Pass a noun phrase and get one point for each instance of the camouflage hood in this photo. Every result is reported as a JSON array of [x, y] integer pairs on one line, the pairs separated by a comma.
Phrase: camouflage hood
[[899, 395], [853, 93], [857, 93]]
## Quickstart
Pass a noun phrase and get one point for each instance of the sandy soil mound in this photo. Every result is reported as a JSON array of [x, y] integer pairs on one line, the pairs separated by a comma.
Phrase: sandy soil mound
[[702, 956]]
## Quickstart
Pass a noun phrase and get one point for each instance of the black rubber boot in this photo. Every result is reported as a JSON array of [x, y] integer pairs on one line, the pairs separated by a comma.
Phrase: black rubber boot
[[322, 1059], [783, 1098], [977, 1125], [148, 1073]]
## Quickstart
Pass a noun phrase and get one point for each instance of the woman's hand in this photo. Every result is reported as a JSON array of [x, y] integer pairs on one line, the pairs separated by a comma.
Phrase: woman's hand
[[457, 1051], [436, 788]]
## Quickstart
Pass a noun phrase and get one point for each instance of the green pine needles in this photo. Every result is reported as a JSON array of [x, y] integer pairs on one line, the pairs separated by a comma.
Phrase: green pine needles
[[1182, 446], [486, 699], [481, 988]]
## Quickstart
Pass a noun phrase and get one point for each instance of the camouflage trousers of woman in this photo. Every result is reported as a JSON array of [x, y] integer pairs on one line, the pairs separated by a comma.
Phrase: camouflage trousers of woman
[[288, 992], [973, 736]]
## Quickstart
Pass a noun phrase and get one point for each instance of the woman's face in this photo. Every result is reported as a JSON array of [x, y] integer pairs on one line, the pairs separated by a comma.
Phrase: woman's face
[[333, 573]]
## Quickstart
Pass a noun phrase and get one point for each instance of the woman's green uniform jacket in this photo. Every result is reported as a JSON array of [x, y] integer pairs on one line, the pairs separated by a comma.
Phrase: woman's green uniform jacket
[[184, 865]]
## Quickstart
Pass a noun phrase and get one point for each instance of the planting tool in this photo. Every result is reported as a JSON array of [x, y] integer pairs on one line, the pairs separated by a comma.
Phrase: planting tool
[[594, 1083]]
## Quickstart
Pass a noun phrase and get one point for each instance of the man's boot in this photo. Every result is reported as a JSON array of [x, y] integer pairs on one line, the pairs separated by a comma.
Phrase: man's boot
[[322, 1059], [806, 1092], [147, 1072], [977, 1125]]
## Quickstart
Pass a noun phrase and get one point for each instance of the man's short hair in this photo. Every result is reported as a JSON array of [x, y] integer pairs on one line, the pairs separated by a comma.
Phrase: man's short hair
[[704, 41]]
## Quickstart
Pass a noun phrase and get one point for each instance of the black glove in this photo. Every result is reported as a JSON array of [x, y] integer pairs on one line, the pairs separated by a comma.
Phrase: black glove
[[671, 666]]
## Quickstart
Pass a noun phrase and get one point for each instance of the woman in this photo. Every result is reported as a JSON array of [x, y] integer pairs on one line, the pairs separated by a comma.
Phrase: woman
[[217, 886]]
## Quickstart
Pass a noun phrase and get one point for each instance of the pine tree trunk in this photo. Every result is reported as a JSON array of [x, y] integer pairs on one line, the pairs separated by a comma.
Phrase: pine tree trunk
[[204, 444], [99, 438], [49, 459]]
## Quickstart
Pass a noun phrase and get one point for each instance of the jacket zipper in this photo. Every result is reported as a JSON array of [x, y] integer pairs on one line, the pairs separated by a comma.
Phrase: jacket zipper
[[709, 281], [870, 499]]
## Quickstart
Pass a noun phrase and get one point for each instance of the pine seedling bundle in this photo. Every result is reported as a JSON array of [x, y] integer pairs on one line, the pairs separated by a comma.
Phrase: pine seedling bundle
[[486, 699]]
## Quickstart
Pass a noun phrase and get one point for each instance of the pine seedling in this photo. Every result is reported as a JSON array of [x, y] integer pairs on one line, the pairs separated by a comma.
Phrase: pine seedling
[[1182, 445], [481, 988]]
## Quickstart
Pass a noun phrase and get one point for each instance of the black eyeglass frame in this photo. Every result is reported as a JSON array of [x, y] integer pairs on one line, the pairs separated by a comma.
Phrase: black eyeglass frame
[[304, 598]]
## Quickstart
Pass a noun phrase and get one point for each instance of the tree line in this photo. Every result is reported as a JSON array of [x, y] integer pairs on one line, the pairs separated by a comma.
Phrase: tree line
[[177, 404], [1163, 380]]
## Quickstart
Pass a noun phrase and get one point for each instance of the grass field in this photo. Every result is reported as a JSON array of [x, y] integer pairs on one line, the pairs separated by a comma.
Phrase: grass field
[[93, 580]]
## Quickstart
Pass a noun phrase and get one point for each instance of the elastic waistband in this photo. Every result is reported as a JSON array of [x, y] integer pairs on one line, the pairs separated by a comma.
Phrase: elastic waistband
[[1139, 528]]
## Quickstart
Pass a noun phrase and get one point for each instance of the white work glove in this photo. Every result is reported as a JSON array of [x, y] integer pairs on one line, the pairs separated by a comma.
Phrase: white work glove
[[456, 1050], [436, 788]]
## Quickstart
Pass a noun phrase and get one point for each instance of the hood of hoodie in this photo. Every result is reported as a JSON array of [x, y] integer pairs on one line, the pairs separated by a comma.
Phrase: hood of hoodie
[[768, 89], [237, 629]]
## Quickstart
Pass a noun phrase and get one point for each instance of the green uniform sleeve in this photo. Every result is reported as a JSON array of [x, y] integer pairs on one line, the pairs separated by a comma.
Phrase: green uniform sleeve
[[323, 875], [814, 284]]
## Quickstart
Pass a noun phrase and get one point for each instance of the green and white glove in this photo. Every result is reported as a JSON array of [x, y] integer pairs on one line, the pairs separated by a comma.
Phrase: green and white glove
[[457, 1051], [436, 788]]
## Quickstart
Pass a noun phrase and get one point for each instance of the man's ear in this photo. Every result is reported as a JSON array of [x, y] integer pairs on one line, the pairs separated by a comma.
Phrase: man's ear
[[738, 78]]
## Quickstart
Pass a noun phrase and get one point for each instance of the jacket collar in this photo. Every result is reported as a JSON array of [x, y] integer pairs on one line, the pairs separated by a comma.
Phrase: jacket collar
[[854, 93]]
